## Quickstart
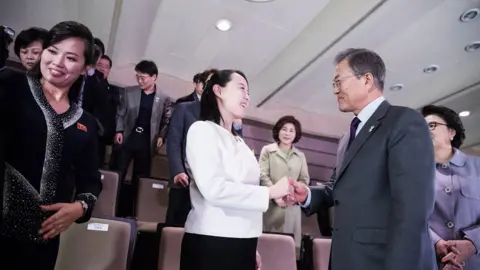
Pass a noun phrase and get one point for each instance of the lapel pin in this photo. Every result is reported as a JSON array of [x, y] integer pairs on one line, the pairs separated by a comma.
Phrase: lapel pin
[[371, 128], [157, 99]]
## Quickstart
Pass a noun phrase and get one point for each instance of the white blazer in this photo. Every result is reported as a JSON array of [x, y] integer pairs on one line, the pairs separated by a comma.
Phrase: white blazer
[[227, 199]]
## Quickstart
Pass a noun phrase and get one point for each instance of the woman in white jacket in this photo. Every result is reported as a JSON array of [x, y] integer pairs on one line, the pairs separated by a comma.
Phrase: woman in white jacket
[[225, 222]]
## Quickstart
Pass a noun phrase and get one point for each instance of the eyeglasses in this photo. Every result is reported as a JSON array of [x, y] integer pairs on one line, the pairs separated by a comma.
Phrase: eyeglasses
[[338, 82], [433, 125]]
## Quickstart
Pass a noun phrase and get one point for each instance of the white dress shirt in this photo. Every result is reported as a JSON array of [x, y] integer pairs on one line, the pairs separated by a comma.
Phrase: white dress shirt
[[227, 199], [363, 116]]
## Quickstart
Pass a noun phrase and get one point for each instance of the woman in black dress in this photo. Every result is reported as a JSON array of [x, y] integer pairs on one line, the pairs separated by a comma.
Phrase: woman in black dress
[[48, 150]]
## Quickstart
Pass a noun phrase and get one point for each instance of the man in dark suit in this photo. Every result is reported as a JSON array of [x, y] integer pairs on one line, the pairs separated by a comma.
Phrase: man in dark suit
[[184, 115], [382, 188], [186, 112]]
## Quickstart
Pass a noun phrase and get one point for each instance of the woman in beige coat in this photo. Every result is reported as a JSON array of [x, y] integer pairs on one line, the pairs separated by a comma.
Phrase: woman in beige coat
[[281, 159]]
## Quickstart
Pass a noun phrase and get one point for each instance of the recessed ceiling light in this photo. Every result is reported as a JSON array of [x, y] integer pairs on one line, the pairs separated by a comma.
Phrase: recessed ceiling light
[[223, 25], [472, 46], [396, 87], [470, 15], [464, 113], [430, 69]]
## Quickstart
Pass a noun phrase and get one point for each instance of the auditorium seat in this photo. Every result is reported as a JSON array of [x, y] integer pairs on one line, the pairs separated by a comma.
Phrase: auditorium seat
[[170, 248], [321, 253], [98, 244], [152, 200], [107, 200], [278, 252]]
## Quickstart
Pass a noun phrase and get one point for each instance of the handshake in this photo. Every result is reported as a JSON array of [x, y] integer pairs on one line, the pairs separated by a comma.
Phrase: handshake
[[288, 192]]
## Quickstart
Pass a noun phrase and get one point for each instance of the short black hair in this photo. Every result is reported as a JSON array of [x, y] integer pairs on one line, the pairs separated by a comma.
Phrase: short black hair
[[147, 67], [209, 110], [196, 78], [106, 57], [203, 78], [363, 61], [287, 119], [60, 32], [26, 37], [99, 44], [451, 118], [71, 29]]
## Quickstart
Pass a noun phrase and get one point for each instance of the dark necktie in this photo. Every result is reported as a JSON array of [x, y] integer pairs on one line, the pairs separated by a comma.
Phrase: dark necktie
[[353, 130]]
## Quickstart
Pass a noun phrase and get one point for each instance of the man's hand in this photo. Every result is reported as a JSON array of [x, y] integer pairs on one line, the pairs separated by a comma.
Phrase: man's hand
[[460, 251], [118, 138], [159, 143], [300, 191], [259, 262], [181, 179]]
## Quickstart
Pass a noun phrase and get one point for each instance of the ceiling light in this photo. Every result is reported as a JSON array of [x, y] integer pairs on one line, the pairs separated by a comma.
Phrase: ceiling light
[[223, 25], [260, 1], [464, 113], [470, 15], [396, 87], [430, 69], [472, 46]]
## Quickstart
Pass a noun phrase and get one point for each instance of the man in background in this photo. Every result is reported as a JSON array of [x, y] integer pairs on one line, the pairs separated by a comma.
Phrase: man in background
[[6, 38], [104, 65], [143, 119]]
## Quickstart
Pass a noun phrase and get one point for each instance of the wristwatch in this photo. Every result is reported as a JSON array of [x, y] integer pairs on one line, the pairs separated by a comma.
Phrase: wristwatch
[[84, 206]]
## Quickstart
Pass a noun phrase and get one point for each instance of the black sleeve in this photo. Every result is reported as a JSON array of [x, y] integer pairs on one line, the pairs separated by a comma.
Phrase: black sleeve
[[166, 116], [3, 111], [175, 141], [88, 181], [6, 85]]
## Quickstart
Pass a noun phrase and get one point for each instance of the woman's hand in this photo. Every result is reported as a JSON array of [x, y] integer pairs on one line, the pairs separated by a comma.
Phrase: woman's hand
[[259, 262], [280, 202], [281, 189], [66, 214]]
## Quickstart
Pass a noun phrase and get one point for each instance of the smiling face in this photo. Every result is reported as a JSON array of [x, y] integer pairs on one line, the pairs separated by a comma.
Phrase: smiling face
[[103, 65], [234, 97], [287, 134], [30, 55], [62, 63], [351, 91]]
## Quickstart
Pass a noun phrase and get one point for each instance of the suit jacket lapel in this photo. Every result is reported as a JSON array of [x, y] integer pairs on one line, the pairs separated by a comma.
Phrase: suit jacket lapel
[[367, 130], [156, 101], [136, 99], [342, 147]]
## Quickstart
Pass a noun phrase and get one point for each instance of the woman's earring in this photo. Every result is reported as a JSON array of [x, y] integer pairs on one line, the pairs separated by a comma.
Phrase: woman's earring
[[451, 139]]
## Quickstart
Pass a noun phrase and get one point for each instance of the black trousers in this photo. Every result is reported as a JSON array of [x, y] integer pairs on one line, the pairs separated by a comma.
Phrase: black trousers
[[179, 206], [136, 148], [202, 252], [17, 255]]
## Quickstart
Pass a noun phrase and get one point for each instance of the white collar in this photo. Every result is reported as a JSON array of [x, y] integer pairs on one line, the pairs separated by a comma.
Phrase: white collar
[[370, 109]]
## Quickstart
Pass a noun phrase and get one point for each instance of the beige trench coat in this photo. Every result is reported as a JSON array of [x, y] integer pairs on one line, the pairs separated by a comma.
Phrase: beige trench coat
[[275, 164]]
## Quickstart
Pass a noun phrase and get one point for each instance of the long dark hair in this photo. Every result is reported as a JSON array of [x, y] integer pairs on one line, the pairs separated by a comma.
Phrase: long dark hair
[[209, 110], [61, 32]]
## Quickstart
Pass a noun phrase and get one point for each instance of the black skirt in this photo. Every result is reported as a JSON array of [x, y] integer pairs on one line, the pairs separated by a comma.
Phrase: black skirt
[[202, 252], [18, 255]]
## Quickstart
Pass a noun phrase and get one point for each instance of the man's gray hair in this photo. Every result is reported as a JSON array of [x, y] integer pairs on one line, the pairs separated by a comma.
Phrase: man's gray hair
[[363, 61]]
